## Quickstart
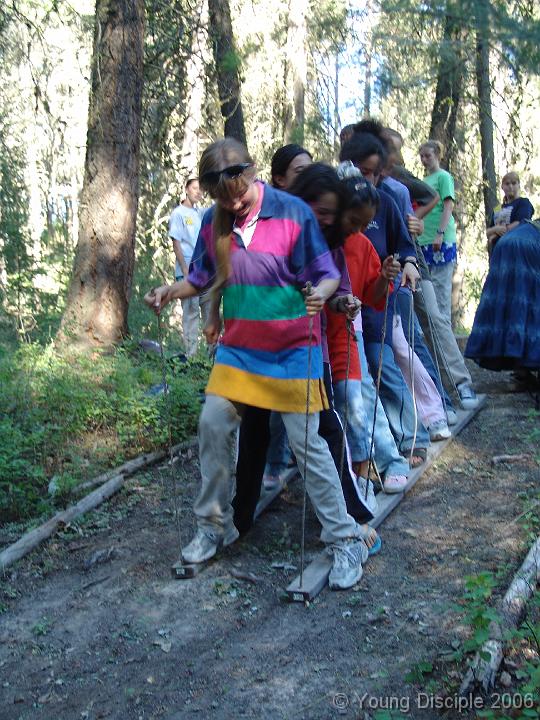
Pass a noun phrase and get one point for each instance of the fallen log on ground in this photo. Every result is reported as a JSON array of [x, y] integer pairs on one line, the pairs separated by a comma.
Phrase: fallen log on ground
[[33, 538], [482, 672], [133, 466]]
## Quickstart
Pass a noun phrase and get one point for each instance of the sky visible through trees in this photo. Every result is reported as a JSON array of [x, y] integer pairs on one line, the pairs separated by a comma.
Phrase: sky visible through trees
[[297, 70]]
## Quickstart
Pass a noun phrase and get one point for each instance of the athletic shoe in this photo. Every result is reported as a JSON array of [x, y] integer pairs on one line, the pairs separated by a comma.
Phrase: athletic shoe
[[370, 501], [467, 396], [439, 431], [395, 484], [206, 543], [451, 416], [347, 566], [271, 482]]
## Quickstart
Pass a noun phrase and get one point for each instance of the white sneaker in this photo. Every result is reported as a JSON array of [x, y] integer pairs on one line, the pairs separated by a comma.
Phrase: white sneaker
[[347, 567], [206, 543], [451, 416], [370, 501], [395, 484], [439, 431], [467, 396]]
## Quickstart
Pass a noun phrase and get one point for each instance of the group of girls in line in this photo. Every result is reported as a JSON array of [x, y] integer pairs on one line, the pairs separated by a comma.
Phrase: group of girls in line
[[316, 274]]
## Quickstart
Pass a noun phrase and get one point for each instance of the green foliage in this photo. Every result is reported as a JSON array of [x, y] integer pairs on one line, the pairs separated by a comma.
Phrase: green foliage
[[42, 627], [67, 419], [418, 672], [478, 615]]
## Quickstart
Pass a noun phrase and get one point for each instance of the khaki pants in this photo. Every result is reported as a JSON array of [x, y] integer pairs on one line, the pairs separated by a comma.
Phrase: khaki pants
[[218, 425], [426, 301], [192, 308]]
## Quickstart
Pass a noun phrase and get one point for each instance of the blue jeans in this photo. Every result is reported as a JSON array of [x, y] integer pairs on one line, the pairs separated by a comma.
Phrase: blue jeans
[[387, 457], [352, 405], [361, 404], [396, 399], [404, 300]]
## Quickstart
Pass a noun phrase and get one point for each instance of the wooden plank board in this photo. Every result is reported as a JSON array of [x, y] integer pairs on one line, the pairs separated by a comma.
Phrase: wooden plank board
[[268, 496], [315, 578], [316, 573]]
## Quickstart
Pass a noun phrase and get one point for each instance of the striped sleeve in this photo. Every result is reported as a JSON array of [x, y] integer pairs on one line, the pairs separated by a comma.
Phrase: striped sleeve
[[202, 268]]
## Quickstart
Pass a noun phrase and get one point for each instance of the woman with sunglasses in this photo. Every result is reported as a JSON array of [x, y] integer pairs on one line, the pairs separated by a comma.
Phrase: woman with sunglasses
[[260, 248]]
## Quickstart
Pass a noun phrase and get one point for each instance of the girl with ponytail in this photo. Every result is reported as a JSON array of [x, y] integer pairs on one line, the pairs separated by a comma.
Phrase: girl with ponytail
[[260, 247]]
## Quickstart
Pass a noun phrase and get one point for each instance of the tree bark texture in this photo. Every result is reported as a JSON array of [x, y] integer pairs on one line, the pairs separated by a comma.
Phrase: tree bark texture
[[489, 178], [227, 68], [98, 297], [296, 72], [449, 85]]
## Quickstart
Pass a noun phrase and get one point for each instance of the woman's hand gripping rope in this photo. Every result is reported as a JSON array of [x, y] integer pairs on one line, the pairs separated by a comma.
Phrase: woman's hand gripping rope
[[391, 268], [157, 298]]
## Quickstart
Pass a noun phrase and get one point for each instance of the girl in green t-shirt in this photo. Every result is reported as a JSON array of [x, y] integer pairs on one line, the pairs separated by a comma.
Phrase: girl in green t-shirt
[[438, 241]]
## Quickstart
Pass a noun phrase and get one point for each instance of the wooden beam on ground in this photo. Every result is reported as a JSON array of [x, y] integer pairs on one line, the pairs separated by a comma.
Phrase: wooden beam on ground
[[32, 539], [139, 463], [482, 672], [268, 496], [316, 573], [315, 578], [185, 571]]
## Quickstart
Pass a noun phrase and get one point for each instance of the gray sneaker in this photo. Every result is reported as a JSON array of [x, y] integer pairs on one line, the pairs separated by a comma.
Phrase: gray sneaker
[[347, 567], [467, 396], [451, 416], [206, 543]]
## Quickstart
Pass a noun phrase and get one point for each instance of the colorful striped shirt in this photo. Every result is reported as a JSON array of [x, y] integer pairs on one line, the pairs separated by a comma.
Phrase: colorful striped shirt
[[262, 359]]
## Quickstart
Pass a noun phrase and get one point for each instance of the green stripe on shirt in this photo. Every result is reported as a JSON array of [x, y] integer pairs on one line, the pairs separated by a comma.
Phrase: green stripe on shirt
[[262, 302]]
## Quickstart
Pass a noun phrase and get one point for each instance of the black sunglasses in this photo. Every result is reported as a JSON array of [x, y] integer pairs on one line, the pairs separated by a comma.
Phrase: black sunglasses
[[231, 172]]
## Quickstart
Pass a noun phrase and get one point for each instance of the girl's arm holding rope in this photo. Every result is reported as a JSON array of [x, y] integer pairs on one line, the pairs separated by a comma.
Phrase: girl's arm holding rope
[[158, 297], [317, 296], [213, 325], [389, 271]]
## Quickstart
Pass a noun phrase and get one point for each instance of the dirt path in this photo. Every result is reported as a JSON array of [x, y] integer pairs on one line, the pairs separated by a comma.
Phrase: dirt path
[[110, 635]]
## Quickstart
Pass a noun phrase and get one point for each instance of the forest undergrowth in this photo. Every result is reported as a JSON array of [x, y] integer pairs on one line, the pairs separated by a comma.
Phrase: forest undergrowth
[[65, 419]]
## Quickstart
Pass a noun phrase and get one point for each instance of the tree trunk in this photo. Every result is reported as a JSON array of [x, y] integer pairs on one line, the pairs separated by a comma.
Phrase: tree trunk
[[489, 178], [449, 85], [296, 72], [227, 64], [98, 297], [194, 103]]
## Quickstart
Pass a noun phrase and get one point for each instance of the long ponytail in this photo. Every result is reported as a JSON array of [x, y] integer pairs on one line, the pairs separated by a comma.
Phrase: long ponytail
[[217, 156]]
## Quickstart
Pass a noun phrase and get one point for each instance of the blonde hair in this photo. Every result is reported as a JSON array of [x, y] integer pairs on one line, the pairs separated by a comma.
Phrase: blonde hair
[[511, 174], [217, 156], [435, 145]]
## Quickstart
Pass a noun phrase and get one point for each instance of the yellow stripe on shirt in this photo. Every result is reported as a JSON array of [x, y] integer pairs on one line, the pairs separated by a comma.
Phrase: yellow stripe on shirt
[[266, 392]]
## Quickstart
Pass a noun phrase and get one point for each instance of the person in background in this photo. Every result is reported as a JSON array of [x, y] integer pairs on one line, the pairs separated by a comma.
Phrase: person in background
[[506, 329], [436, 326], [287, 163], [438, 243], [184, 226], [510, 213]]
